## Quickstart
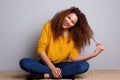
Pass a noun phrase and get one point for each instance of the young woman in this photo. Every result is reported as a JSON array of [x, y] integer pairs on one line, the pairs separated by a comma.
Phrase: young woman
[[61, 40]]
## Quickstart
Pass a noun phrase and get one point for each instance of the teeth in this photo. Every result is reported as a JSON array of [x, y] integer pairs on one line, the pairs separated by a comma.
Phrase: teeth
[[65, 24]]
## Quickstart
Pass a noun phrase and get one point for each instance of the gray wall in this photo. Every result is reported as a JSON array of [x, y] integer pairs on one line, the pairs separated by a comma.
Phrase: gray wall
[[21, 22]]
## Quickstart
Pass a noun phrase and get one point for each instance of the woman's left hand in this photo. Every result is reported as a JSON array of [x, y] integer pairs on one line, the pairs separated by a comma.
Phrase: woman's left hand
[[56, 72], [99, 49]]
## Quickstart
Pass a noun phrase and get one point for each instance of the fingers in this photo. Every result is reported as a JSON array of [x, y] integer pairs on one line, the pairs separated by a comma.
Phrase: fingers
[[100, 46], [99, 49], [57, 73]]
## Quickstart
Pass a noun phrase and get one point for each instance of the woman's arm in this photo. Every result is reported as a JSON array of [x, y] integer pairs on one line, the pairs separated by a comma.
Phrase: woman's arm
[[98, 50], [46, 60], [56, 72]]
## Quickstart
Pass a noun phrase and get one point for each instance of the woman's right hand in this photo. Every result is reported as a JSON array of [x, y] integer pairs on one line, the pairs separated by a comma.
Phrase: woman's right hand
[[56, 72]]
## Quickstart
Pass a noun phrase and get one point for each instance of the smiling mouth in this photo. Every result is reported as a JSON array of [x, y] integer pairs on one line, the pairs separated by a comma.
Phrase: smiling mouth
[[65, 23]]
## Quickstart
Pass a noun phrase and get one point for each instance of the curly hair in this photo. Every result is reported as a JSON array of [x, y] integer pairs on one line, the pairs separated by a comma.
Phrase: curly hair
[[80, 32]]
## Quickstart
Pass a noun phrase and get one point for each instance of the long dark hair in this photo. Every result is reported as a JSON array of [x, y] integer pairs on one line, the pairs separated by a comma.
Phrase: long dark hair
[[80, 32]]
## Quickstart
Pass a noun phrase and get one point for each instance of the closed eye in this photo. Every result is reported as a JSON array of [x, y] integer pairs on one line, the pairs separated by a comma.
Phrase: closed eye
[[71, 20]]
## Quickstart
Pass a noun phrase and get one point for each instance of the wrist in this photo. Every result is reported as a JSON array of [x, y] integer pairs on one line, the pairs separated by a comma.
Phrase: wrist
[[93, 54], [51, 67]]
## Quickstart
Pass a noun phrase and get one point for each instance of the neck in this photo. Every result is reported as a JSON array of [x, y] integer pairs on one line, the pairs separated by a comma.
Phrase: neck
[[65, 30], [65, 33]]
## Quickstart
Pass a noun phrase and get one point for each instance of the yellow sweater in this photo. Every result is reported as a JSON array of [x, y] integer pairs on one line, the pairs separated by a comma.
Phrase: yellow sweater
[[57, 51]]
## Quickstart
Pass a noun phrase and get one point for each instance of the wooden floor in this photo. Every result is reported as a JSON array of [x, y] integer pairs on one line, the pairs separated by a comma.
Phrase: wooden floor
[[90, 75]]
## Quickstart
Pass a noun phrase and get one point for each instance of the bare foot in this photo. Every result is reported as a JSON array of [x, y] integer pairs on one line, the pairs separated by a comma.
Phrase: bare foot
[[46, 76]]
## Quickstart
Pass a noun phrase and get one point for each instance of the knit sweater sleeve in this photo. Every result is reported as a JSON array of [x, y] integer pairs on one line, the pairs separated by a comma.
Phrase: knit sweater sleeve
[[43, 40]]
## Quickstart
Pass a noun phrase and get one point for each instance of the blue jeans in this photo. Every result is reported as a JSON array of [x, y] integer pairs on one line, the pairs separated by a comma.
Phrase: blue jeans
[[67, 68]]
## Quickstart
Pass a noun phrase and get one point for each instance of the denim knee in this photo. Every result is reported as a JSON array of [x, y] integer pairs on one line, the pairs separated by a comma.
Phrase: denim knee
[[23, 62], [83, 66]]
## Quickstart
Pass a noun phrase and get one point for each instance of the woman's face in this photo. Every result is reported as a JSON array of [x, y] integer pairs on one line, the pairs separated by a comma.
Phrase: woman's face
[[70, 20]]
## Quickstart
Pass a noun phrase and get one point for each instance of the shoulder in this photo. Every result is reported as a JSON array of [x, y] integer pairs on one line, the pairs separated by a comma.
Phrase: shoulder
[[47, 24], [47, 27]]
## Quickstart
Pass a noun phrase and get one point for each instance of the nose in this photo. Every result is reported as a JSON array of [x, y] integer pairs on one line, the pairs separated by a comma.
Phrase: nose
[[68, 22]]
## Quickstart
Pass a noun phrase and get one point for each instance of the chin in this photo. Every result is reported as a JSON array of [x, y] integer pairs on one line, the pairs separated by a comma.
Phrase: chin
[[65, 27]]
